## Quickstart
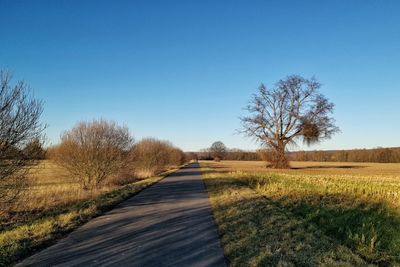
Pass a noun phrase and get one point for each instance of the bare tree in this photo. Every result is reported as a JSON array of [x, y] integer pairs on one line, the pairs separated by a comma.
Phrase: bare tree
[[218, 150], [92, 151], [292, 110], [20, 126]]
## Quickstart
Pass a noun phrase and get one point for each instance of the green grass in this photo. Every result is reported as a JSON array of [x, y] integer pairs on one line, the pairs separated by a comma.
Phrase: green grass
[[272, 219], [23, 240], [369, 224]]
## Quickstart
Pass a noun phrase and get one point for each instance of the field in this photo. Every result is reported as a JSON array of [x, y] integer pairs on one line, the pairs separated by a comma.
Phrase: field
[[315, 214], [50, 188]]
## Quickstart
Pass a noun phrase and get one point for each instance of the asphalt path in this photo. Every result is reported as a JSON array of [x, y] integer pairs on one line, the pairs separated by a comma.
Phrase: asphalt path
[[167, 224]]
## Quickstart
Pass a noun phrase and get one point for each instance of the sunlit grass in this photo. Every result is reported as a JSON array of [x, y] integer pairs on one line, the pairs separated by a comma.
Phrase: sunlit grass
[[309, 167], [50, 187], [358, 210]]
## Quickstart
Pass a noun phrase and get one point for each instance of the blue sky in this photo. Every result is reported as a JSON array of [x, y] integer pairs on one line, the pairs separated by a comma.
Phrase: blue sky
[[183, 70]]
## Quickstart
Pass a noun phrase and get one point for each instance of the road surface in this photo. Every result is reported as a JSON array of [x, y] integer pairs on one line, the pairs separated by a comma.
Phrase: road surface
[[167, 224]]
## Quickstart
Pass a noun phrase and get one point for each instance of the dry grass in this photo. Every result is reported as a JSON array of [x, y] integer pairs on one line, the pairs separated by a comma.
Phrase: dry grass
[[302, 167], [53, 186], [355, 205], [50, 187]]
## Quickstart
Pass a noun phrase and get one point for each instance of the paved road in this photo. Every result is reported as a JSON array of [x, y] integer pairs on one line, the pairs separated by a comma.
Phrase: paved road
[[168, 224]]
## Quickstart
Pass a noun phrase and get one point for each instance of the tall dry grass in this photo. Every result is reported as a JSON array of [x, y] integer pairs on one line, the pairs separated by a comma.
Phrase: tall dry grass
[[50, 187]]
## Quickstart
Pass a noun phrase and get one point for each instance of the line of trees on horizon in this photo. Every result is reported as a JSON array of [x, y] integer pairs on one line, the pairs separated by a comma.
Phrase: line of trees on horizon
[[378, 155]]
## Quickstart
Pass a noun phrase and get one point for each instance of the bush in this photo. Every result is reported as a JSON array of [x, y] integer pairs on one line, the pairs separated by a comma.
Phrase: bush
[[92, 151], [152, 156]]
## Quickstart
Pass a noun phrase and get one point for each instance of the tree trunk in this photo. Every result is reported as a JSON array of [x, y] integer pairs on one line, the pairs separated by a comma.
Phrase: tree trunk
[[279, 159]]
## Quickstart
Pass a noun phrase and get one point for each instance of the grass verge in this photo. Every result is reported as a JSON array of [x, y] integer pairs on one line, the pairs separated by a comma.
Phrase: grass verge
[[24, 240]]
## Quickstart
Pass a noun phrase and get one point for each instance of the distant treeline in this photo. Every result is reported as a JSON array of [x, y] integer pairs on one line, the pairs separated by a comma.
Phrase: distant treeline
[[381, 155], [230, 154]]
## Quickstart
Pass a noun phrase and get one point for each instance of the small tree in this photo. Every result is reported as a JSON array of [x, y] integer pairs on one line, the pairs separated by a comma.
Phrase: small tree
[[19, 126], [92, 151], [218, 150], [290, 111]]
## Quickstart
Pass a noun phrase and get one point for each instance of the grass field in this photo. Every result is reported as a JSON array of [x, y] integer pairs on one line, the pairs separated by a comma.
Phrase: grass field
[[326, 214], [50, 188]]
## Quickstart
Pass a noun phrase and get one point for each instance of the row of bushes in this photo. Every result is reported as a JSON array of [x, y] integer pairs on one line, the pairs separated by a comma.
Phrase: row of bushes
[[101, 151]]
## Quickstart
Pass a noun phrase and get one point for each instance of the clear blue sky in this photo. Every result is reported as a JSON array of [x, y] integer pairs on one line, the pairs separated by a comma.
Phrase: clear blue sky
[[183, 70]]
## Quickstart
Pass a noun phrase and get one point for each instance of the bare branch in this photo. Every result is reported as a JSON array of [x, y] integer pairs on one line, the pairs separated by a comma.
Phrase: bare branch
[[20, 137]]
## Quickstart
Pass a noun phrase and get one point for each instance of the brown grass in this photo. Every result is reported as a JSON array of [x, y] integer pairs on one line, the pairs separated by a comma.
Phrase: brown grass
[[50, 187], [302, 167]]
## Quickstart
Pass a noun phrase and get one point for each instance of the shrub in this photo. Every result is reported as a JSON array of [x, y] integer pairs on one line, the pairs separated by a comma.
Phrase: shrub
[[151, 156], [92, 151]]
